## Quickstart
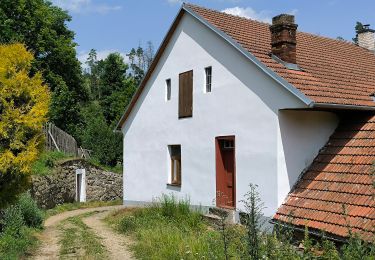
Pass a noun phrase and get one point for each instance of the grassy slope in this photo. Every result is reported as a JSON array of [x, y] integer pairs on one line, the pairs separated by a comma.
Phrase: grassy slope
[[172, 231], [48, 160], [169, 230]]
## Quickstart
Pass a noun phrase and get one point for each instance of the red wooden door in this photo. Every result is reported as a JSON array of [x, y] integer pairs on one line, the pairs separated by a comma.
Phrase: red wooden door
[[225, 172]]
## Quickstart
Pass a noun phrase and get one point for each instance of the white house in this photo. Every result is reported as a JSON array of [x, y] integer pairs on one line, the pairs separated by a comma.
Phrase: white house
[[230, 101]]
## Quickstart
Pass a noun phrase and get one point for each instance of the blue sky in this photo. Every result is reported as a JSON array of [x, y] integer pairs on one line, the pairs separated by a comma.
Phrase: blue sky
[[119, 25]]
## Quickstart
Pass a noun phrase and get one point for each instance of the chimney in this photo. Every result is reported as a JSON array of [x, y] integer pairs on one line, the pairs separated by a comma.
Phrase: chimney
[[366, 38], [284, 38]]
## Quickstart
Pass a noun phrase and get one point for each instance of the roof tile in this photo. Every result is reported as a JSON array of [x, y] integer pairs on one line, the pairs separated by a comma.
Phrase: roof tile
[[334, 71], [338, 188]]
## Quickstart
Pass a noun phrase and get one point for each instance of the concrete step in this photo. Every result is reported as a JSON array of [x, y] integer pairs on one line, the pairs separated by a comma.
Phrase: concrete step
[[229, 215]]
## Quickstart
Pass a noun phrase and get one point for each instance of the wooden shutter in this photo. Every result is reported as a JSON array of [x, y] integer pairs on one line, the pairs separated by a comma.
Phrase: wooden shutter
[[185, 108]]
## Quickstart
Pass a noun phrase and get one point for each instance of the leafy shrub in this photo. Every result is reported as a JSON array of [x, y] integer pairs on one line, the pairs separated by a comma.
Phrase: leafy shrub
[[12, 221], [11, 185], [358, 249], [17, 222], [31, 214], [99, 137]]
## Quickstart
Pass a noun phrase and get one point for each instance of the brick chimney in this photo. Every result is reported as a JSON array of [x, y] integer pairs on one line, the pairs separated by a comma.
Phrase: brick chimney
[[283, 38], [366, 38]]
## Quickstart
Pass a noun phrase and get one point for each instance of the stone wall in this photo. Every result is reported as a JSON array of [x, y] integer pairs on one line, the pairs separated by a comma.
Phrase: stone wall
[[59, 187]]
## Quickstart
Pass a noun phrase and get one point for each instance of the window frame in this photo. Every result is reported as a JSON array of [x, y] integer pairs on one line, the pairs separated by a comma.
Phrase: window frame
[[168, 89], [208, 79], [175, 165]]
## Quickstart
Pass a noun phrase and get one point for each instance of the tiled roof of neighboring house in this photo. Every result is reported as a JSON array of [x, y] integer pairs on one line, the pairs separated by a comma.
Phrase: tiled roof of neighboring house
[[337, 189], [334, 72]]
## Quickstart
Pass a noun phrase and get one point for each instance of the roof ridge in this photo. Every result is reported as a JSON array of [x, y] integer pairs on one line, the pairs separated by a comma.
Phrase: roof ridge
[[265, 23], [221, 12]]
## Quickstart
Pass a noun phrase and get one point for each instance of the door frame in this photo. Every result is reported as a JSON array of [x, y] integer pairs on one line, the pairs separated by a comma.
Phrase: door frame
[[217, 151], [81, 197]]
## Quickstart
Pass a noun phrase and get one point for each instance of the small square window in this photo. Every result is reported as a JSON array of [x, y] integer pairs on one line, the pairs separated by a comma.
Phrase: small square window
[[175, 155], [168, 89], [208, 72]]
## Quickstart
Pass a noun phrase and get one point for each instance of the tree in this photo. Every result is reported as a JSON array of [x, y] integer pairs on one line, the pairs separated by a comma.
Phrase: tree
[[24, 102], [358, 29], [99, 137], [42, 28], [93, 74], [117, 88], [114, 74], [140, 61]]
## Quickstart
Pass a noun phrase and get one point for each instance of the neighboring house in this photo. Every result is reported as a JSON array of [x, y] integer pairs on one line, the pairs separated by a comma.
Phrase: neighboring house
[[230, 101]]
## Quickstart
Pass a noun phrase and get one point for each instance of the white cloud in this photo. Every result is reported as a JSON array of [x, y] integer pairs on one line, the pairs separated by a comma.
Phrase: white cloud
[[293, 12], [85, 6], [100, 54], [250, 13], [172, 2]]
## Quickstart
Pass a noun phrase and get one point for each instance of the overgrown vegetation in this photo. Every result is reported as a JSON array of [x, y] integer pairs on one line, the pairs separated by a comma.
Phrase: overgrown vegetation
[[169, 229], [47, 161], [18, 224]]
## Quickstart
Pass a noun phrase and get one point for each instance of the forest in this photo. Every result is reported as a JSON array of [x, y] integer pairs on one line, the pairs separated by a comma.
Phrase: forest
[[87, 99]]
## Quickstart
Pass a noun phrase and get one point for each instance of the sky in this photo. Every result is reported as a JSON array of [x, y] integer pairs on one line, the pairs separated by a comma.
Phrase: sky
[[119, 25]]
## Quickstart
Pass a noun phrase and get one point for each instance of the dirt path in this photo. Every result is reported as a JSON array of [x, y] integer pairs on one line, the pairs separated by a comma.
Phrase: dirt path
[[115, 243], [49, 238]]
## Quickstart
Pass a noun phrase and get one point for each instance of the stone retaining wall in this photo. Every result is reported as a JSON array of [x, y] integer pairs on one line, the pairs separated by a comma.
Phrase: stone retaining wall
[[59, 187]]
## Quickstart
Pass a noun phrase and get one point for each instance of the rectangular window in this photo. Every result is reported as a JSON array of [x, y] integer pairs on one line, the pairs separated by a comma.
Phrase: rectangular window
[[175, 154], [185, 99], [208, 71], [168, 89]]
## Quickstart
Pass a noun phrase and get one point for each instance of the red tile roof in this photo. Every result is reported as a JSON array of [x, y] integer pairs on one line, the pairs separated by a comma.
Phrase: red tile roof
[[334, 72], [337, 190]]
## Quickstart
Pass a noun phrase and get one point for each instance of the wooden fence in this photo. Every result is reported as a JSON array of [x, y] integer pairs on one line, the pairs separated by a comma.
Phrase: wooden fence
[[58, 140]]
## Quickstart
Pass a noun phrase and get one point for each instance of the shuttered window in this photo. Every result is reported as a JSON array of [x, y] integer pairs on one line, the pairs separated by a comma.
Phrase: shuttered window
[[185, 104]]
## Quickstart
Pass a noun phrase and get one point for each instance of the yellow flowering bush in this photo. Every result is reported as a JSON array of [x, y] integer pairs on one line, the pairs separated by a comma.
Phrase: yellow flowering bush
[[24, 103]]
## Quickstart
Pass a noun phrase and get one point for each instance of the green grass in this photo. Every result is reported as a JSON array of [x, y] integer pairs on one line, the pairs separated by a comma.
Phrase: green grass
[[16, 247], [170, 230], [116, 169], [79, 241], [81, 205], [47, 161]]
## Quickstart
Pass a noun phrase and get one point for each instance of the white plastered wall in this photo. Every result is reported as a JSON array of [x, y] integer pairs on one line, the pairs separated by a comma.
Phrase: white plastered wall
[[301, 135], [244, 102]]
